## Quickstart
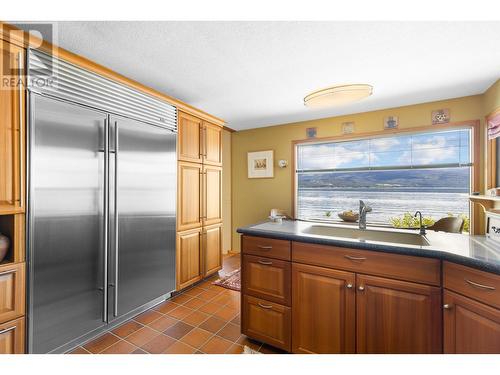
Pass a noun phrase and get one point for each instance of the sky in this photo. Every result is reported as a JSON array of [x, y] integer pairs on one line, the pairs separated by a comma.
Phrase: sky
[[401, 150]]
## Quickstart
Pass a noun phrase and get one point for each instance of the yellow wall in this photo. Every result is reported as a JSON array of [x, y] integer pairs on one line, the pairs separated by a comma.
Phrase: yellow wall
[[491, 100], [226, 191], [253, 198]]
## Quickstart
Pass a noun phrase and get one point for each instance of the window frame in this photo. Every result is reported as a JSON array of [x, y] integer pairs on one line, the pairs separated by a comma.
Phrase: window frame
[[473, 126]]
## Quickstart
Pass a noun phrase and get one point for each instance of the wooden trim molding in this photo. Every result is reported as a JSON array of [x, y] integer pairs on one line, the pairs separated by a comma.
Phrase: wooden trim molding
[[228, 129], [475, 125], [20, 38]]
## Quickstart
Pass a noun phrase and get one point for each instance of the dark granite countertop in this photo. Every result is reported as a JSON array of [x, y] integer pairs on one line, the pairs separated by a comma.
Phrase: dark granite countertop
[[472, 251]]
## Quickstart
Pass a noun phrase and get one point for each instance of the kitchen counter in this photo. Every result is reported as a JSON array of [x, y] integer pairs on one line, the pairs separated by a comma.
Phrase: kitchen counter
[[473, 251]]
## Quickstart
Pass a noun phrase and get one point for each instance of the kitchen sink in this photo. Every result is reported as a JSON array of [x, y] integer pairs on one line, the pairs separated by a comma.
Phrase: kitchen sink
[[368, 235]]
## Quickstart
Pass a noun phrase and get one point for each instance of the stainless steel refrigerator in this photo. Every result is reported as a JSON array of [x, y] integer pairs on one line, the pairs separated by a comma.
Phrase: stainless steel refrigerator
[[101, 220]]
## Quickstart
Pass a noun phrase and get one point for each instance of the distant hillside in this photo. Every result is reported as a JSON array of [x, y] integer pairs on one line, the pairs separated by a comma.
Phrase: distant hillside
[[454, 178]]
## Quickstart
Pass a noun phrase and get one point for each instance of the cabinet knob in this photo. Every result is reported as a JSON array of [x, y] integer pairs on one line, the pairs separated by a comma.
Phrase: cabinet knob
[[361, 288], [447, 306], [349, 286]]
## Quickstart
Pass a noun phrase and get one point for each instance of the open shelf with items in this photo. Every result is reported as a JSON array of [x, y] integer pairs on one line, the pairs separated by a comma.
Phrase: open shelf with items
[[12, 226]]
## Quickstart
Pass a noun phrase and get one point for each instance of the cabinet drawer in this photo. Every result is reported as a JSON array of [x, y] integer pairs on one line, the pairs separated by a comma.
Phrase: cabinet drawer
[[470, 327], [11, 291], [403, 267], [267, 278], [267, 247], [267, 322], [12, 337], [478, 285]]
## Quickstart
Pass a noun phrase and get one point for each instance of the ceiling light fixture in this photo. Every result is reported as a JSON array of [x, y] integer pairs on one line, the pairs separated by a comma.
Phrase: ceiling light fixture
[[337, 95]]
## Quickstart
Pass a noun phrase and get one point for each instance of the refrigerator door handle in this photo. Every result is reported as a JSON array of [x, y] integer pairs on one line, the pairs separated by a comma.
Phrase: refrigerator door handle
[[115, 184], [106, 222]]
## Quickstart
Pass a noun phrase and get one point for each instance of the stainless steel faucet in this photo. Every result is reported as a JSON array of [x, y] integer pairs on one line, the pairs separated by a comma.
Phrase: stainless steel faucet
[[363, 210], [422, 227]]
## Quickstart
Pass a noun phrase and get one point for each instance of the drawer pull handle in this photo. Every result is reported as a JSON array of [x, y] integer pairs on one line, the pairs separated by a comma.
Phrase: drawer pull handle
[[361, 288], [447, 306], [268, 307], [7, 330], [350, 257], [7, 272], [265, 262], [479, 285], [349, 286], [264, 247]]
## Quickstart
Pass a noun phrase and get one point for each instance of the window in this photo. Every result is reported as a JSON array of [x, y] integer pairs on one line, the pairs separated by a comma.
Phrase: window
[[429, 172]]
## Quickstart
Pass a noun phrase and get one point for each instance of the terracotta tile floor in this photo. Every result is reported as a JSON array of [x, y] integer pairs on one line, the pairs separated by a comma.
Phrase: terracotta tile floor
[[202, 319]]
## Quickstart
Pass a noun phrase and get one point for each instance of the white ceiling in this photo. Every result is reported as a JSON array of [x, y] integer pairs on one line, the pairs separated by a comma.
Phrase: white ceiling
[[255, 74]]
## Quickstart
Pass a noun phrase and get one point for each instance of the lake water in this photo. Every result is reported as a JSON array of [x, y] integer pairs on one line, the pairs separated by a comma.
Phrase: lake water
[[314, 203]]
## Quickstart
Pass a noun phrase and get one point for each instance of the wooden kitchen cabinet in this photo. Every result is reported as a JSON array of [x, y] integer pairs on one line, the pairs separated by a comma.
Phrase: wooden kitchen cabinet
[[470, 327], [12, 141], [212, 195], [200, 195], [189, 202], [212, 144], [323, 310], [199, 198], [189, 266], [199, 141], [267, 278], [397, 317], [266, 247], [266, 321], [212, 249], [479, 285], [12, 337], [190, 146], [393, 266], [12, 291]]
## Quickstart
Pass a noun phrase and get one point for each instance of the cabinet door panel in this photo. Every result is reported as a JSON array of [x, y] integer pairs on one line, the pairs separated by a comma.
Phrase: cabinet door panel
[[323, 310], [266, 321], [189, 199], [212, 248], [212, 144], [11, 291], [267, 278], [189, 259], [11, 132], [397, 316], [212, 186], [12, 337], [189, 143], [469, 326]]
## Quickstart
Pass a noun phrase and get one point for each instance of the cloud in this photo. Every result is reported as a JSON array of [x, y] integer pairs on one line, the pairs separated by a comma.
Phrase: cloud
[[329, 156], [399, 150], [433, 150], [384, 144]]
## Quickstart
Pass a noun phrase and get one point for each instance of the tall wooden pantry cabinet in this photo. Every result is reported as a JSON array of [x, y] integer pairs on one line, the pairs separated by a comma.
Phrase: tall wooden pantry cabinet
[[199, 199]]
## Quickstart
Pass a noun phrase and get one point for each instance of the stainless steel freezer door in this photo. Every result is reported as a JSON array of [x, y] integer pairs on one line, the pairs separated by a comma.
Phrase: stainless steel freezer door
[[66, 222], [146, 200]]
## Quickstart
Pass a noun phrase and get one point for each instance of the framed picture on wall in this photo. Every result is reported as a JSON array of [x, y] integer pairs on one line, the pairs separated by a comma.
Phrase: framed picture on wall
[[391, 122], [440, 116], [261, 164]]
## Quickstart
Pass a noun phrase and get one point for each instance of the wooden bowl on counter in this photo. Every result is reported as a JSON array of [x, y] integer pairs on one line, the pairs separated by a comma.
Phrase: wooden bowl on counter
[[4, 246], [349, 218]]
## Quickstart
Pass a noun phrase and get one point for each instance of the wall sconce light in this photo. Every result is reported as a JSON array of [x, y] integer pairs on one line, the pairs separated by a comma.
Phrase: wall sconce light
[[282, 163]]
